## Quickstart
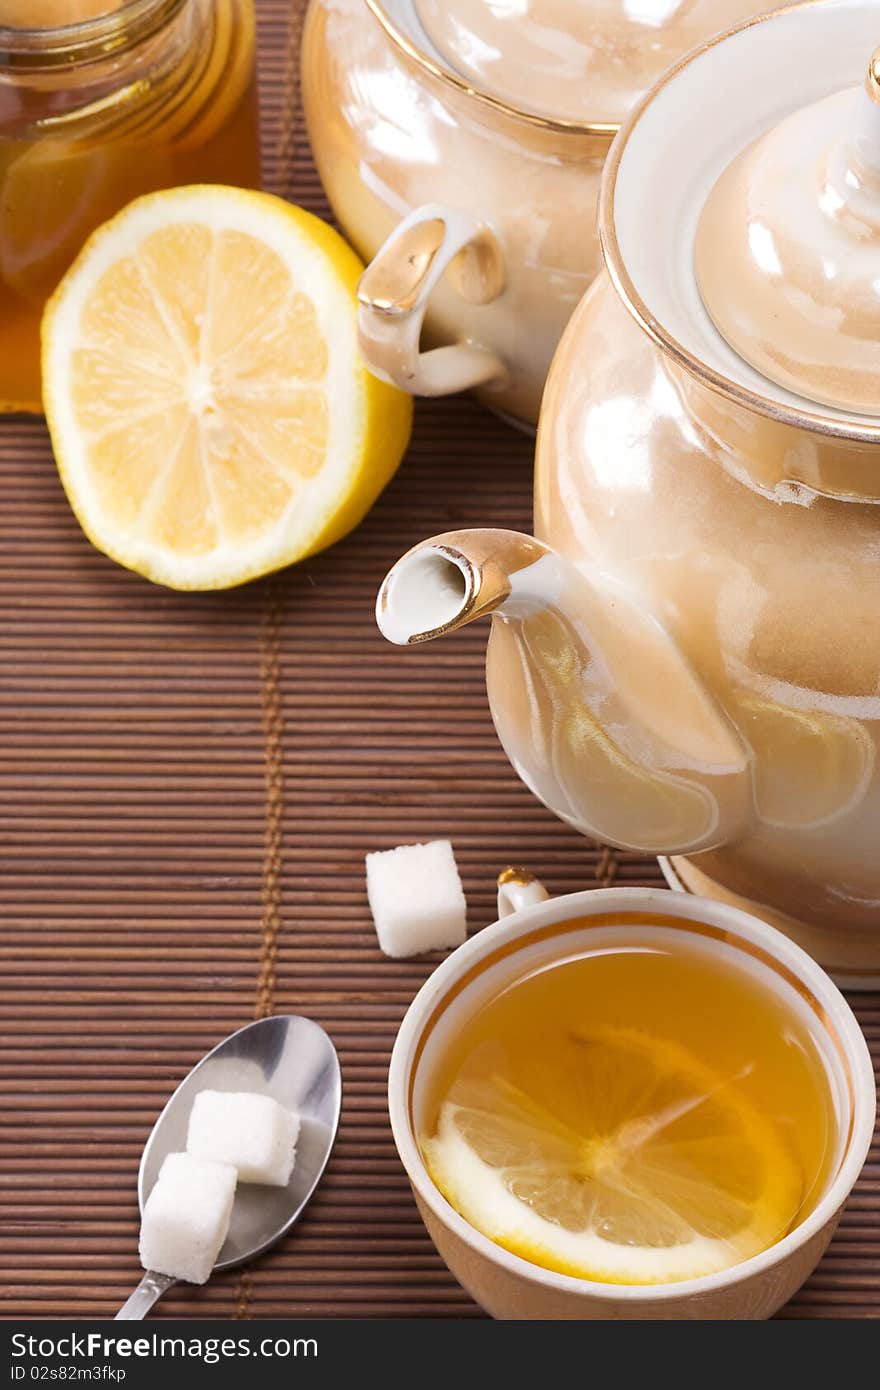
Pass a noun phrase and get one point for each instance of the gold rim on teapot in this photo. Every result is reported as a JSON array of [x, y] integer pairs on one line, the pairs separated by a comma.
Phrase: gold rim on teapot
[[604, 131]]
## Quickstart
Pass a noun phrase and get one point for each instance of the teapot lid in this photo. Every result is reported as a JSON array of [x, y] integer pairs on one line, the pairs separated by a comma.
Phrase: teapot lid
[[787, 251], [572, 60], [781, 86]]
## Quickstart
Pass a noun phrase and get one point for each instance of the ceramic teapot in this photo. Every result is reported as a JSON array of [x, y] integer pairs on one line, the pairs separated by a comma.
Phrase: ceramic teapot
[[461, 144], [686, 661]]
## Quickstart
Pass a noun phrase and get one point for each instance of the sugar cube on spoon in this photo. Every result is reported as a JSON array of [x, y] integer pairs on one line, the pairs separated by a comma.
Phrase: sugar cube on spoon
[[186, 1217], [250, 1131]]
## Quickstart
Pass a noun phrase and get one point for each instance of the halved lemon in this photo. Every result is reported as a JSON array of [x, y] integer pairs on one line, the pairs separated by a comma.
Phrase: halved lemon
[[211, 416], [623, 1160]]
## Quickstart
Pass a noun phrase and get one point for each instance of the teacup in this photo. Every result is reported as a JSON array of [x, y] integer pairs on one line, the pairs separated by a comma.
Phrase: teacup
[[534, 930]]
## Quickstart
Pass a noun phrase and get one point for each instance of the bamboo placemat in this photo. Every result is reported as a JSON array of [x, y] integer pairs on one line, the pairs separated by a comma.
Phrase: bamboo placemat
[[188, 786]]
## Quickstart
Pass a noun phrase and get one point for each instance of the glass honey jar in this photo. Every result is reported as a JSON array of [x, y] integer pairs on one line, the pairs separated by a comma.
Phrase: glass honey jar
[[100, 101]]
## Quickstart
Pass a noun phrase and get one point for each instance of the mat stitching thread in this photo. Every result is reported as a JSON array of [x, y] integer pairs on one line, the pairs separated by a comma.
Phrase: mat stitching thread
[[270, 653], [291, 106], [607, 866], [273, 732], [273, 735]]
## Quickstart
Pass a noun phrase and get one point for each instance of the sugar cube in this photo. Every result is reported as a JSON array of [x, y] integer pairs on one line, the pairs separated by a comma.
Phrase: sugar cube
[[251, 1131], [416, 898], [186, 1217]]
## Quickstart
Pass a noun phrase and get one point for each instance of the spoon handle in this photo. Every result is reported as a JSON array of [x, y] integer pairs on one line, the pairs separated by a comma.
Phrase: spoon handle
[[148, 1292]]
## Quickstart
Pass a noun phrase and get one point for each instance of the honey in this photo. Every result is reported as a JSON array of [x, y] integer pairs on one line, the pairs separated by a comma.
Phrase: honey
[[124, 98]]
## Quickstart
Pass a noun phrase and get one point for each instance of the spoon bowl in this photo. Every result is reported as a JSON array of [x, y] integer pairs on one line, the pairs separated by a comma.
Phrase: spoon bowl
[[290, 1059]]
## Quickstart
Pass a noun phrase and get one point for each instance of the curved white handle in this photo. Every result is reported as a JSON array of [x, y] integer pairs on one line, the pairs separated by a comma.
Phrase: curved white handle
[[518, 889], [393, 297]]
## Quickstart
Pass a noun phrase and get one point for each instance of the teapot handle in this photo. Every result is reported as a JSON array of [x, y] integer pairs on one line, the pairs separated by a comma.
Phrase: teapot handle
[[395, 290], [518, 889]]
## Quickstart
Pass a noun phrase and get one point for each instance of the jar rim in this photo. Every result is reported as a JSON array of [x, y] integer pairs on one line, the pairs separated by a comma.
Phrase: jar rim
[[601, 130], [85, 39]]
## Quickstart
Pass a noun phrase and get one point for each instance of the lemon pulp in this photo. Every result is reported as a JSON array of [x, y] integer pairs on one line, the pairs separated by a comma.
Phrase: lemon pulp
[[211, 416]]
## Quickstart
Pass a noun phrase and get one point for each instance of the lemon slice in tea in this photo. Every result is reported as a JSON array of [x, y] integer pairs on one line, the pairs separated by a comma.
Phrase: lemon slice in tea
[[211, 416], [621, 1160]]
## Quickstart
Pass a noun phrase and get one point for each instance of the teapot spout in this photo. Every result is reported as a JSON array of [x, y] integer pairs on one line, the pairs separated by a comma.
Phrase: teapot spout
[[444, 583], [598, 709]]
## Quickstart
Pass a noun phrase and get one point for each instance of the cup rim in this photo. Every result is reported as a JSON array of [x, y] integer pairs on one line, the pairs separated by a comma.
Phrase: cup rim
[[603, 130], [743, 926], [815, 421]]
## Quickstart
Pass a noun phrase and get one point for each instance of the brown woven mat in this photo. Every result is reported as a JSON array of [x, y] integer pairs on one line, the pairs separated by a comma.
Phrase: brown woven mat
[[188, 786]]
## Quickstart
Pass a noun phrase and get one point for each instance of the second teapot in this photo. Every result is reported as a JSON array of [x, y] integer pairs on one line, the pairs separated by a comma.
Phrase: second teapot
[[461, 144]]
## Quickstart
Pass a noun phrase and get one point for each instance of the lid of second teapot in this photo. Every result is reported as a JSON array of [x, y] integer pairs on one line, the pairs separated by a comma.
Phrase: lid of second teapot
[[576, 60]]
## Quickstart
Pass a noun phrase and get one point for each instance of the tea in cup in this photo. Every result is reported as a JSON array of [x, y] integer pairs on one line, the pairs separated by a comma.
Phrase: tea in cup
[[617, 1104]]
